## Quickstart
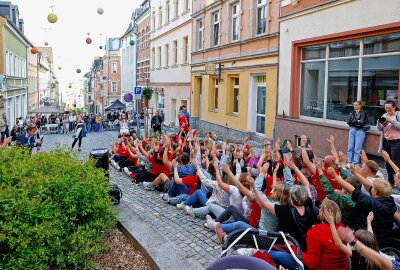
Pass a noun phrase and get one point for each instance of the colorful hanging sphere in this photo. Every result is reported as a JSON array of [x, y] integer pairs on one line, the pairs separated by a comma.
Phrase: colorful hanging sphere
[[59, 68], [131, 42], [100, 47], [100, 11], [70, 86], [52, 18], [88, 40], [46, 43], [104, 77], [34, 50], [78, 70]]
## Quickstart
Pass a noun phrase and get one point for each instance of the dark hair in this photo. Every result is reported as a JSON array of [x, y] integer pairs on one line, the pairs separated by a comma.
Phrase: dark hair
[[391, 102], [352, 180], [185, 158]]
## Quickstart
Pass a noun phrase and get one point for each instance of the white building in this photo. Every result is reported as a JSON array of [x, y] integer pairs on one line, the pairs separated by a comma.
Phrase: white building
[[170, 43], [128, 61]]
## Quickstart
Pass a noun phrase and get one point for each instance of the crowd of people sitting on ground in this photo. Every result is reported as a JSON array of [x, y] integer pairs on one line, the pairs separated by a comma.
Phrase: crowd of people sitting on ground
[[283, 188]]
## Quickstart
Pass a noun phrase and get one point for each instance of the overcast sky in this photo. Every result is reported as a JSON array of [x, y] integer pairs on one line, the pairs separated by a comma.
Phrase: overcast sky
[[67, 36]]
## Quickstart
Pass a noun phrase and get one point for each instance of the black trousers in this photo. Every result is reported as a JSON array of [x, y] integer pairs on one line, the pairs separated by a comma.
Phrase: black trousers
[[231, 211], [75, 140], [393, 149]]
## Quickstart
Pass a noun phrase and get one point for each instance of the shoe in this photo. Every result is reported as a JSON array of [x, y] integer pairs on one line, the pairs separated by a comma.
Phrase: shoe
[[165, 197], [246, 251], [117, 167], [127, 171], [180, 206], [210, 223], [206, 225], [79, 149], [148, 186], [189, 210], [220, 233], [113, 163]]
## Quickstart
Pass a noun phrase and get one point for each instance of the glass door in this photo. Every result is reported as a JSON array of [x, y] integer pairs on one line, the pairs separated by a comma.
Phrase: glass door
[[260, 124]]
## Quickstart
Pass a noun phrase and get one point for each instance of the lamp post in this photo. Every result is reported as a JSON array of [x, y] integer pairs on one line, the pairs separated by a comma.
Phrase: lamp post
[[133, 43]]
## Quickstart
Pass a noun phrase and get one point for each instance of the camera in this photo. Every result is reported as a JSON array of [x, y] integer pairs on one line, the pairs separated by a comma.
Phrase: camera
[[383, 121]]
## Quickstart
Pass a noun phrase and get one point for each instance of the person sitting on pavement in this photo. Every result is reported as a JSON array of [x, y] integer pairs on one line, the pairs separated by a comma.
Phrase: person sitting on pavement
[[29, 138]]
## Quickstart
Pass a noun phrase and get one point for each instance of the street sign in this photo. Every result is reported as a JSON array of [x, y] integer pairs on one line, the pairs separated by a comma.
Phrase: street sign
[[128, 97], [138, 90]]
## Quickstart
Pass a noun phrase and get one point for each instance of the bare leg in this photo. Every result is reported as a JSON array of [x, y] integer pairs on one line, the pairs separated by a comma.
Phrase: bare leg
[[160, 179]]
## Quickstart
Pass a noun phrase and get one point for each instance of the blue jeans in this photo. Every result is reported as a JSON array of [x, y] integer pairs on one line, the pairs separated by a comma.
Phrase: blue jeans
[[197, 197], [284, 259], [176, 189], [178, 199], [356, 140], [213, 208], [230, 227]]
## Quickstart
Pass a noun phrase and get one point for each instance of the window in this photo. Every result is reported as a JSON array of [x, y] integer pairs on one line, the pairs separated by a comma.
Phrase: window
[[261, 103], [335, 75], [261, 16], [185, 49], [214, 94], [7, 62], [153, 20], [200, 30], [167, 55], [215, 29], [185, 5], [114, 87], [159, 16], [153, 59], [235, 22], [167, 11], [114, 68], [159, 56], [176, 5], [175, 53], [235, 95]]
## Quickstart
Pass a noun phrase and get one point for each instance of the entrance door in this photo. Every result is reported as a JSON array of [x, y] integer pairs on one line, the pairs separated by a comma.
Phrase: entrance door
[[260, 119], [173, 112]]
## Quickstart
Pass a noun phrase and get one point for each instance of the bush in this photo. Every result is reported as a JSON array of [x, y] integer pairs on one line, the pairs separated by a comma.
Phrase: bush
[[54, 210]]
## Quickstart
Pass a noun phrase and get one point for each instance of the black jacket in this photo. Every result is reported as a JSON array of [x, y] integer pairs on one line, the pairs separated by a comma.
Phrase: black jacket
[[358, 120], [153, 120]]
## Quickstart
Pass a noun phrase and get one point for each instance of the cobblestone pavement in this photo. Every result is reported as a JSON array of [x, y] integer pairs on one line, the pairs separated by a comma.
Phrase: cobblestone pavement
[[198, 244]]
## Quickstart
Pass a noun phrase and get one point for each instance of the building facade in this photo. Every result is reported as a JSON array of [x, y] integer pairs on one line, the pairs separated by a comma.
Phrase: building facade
[[234, 67], [324, 67], [13, 63], [170, 43]]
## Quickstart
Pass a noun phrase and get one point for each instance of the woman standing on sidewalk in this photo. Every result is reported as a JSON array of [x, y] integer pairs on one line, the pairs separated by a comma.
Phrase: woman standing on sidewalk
[[389, 124], [79, 133], [358, 122]]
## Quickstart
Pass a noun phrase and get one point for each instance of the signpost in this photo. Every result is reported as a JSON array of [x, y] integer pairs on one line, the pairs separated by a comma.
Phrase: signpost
[[138, 95]]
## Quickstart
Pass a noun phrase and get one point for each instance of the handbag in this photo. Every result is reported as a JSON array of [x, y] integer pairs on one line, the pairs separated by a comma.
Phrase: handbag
[[116, 193]]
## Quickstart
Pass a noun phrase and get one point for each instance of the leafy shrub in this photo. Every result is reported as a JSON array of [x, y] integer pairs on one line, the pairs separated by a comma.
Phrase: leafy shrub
[[54, 210]]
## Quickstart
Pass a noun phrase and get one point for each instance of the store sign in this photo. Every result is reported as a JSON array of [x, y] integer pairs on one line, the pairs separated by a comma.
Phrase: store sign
[[210, 68]]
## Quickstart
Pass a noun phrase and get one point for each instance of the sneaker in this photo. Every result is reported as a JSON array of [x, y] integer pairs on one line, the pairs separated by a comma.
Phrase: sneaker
[[220, 233], [180, 206], [189, 210], [148, 186], [206, 225], [246, 251], [117, 167], [127, 171], [113, 163], [210, 223], [79, 149], [165, 197]]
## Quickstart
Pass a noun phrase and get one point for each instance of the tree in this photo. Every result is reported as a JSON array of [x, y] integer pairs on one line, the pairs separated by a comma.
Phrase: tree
[[147, 94]]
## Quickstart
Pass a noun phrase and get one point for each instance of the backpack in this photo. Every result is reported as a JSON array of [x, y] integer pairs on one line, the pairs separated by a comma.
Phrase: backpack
[[116, 193]]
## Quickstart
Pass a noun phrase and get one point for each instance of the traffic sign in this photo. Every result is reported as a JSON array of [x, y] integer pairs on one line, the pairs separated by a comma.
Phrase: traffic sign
[[138, 90], [128, 97]]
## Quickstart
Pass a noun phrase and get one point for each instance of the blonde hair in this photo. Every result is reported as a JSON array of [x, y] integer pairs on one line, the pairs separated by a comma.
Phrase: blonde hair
[[281, 193], [331, 205], [382, 187]]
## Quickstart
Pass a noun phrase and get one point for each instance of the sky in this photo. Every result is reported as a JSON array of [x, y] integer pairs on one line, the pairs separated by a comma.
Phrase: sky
[[76, 18]]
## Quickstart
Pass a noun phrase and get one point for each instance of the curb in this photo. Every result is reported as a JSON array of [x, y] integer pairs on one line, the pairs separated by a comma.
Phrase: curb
[[161, 253]]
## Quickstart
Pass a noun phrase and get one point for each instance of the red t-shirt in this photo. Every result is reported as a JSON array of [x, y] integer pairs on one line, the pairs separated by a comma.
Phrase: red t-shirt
[[191, 182], [157, 167], [183, 123], [121, 151], [316, 182]]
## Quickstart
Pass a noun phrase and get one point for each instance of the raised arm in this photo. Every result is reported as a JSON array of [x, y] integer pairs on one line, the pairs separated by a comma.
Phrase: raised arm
[[177, 179], [387, 158], [225, 187], [237, 183], [303, 180], [364, 181], [166, 161], [348, 187], [144, 153], [339, 244], [334, 152], [306, 159], [270, 207]]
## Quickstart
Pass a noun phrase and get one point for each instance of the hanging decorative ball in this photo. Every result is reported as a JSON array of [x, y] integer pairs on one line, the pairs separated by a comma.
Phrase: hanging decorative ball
[[88, 33], [104, 77], [132, 42], [70, 86], [78, 70], [100, 47], [88, 40], [46, 43], [52, 18], [100, 11], [34, 50], [59, 68]]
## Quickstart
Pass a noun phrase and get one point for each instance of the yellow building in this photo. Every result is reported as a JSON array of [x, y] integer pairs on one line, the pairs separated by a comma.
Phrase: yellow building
[[234, 76]]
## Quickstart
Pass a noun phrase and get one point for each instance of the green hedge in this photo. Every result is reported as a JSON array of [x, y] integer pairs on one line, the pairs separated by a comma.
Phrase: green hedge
[[54, 210]]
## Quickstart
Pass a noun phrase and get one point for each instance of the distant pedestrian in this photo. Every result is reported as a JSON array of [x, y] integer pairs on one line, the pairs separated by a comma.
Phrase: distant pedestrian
[[156, 122], [79, 133], [358, 123]]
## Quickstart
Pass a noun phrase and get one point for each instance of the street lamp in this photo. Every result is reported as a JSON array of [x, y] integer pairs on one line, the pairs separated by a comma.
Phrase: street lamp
[[133, 43]]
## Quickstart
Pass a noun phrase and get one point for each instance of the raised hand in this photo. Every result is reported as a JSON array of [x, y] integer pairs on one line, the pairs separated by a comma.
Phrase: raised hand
[[385, 155], [332, 172], [250, 181], [363, 157], [303, 140], [276, 168], [328, 215], [225, 168], [289, 146], [317, 162], [330, 139], [342, 157], [370, 217]]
